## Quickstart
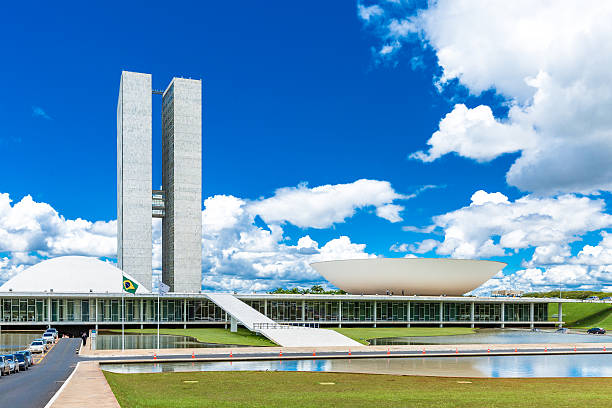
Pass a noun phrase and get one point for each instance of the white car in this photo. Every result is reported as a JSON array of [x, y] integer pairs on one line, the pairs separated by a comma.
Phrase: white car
[[37, 346], [52, 331], [49, 337]]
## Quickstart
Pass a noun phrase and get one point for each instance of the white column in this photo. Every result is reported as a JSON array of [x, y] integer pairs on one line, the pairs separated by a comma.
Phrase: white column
[[266, 307], [49, 310], [472, 307], [503, 315], [441, 314], [303, 310], [339, 313], [375, 313], [531, 307], [184, 313], [234, 324], [408, 315], [141, 313], [560, 315]]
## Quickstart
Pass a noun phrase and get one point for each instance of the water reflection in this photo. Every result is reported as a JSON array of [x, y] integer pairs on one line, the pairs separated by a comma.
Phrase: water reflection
[[14, 341], [149, 341], [498, 336], [495, 366]]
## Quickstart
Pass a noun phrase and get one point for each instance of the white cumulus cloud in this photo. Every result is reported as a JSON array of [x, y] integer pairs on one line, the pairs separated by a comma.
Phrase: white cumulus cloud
[[323, 206], [548, 60]]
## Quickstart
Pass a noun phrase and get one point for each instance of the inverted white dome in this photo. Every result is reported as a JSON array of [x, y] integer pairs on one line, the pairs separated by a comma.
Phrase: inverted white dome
[[78, 274], [411, 276]]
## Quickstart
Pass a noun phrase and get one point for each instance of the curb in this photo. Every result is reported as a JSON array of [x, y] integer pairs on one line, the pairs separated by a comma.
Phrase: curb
[[57, 394]]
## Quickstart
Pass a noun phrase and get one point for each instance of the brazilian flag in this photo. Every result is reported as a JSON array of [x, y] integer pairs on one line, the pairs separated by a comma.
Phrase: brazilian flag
[[129, 285]]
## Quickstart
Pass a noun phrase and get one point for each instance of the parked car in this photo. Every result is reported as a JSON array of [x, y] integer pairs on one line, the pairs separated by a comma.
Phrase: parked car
[[22, 361], [53, 331], [592, 298], [48, 337], [28, 355], [44, 342], [596, 330], [4, 367], [10, 360], [37, 346]]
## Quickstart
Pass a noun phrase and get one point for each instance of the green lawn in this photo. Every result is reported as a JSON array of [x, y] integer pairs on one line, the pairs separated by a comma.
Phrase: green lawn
[[362, 334], [304, 389], [585, 315], [217, 335]]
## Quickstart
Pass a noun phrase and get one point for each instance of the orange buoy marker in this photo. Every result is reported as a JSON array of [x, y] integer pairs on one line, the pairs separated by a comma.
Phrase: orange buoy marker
[[388, 352], [231, 355], [349, 352], [574, 348], [604, 348], [193, 354], [154, 356], [515, 350], [423, 351], [280, 353], [488, 350], [314, 353], [545, 349], [456, 350]]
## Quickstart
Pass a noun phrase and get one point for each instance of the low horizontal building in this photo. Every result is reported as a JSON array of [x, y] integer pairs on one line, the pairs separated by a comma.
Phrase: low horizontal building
[[51, 293]]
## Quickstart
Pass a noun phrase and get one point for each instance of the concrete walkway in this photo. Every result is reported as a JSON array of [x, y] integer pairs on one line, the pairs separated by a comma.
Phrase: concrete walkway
[[343, 352], [86, 387], [283, 334]]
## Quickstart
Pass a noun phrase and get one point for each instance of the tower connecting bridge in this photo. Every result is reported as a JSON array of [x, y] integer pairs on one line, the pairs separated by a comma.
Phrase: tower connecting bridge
[[178, 204]]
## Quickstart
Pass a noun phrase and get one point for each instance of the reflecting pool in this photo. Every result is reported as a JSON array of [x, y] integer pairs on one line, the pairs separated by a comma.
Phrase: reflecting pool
[[582, 365], [149, 341], [497, 336]]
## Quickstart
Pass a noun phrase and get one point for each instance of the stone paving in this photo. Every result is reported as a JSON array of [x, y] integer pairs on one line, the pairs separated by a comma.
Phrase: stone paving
[[86, 387]]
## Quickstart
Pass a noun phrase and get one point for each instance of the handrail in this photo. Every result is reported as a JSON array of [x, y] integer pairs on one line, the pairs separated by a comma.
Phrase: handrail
[[265, 325]]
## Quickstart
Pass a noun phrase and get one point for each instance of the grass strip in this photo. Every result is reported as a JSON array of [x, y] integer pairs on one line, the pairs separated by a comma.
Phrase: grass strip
[[584, 315], [216, 335], [362, 334], [305, 389]]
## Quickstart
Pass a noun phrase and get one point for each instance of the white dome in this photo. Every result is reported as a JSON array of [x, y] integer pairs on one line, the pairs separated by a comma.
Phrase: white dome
[[412, 276], [78, 274]]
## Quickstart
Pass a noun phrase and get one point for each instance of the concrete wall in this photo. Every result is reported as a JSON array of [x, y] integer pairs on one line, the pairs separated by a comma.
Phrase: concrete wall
[[134, 176], [182, 183]]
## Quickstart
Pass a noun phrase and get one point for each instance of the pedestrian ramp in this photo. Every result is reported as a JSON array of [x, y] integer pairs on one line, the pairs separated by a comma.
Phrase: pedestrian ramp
[[282, 334]]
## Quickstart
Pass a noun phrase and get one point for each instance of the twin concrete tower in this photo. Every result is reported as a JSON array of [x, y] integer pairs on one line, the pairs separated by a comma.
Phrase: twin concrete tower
[[179, 201]]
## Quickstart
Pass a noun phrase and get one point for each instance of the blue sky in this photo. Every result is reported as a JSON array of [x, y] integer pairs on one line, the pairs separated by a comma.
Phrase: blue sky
[[301, 95]]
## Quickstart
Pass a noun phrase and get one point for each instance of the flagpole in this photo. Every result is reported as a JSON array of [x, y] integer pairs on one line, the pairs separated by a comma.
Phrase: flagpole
[[122, 322], [158, 321]]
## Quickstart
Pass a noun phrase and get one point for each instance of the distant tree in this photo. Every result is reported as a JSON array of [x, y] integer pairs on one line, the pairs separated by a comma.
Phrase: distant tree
[[315, 290], [568, 294]]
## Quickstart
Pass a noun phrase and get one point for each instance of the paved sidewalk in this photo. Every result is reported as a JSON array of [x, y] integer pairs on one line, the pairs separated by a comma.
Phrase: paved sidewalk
[[236, 352], [87, 388]]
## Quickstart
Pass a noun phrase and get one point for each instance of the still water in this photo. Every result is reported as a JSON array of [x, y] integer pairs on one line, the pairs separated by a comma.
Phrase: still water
[[497, 336], [14, 341], [493, 367], [149, 341]]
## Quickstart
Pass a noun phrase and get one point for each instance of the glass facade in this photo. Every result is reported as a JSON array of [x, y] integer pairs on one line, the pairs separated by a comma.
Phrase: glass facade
[[145, 310], [457, 312], [392, 311]]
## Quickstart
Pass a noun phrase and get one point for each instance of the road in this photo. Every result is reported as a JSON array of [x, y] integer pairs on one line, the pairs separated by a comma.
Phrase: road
[[35, 387]]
